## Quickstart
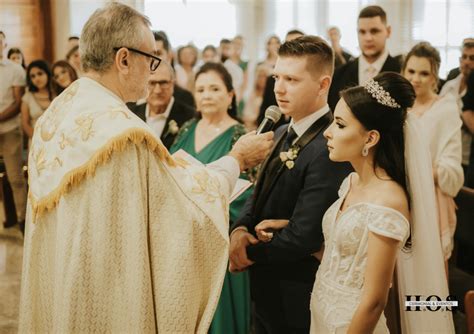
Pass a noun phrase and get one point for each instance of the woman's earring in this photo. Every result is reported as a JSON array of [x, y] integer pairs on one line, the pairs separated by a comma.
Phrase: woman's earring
[[365, 151]]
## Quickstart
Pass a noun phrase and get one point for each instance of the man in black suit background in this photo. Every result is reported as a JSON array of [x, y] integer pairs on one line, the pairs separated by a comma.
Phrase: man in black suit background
[[162, 112], [372, 32], [298, 188]]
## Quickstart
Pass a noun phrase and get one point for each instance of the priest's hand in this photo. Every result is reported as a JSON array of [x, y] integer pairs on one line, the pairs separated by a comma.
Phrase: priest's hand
[[238, 260], [251, 149]]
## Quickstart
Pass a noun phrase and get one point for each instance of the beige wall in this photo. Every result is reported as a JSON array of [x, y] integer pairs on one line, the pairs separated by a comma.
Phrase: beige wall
[[22, 23], [60, 16]]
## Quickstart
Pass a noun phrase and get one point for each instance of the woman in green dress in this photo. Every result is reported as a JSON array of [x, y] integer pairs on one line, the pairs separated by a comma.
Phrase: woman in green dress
[[209, 137]]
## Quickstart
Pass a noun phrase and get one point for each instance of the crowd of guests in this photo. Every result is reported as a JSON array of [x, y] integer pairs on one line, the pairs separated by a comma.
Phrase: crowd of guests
[[202, 102], [27, 90]]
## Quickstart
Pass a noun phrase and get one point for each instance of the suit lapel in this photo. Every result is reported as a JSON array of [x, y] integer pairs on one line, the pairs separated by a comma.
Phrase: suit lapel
[[391, 65], [140, 111], [304, 140], [353, 74], [264, 166]]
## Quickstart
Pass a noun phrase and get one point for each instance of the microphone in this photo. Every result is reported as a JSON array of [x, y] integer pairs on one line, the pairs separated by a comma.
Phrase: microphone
[[272, 116]]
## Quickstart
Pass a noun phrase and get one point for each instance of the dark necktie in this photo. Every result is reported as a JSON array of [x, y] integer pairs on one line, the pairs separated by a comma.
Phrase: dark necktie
[[273, 167], [290, 137]]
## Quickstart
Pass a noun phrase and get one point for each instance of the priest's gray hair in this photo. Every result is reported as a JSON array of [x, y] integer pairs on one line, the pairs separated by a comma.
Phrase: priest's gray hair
[[115, 25]]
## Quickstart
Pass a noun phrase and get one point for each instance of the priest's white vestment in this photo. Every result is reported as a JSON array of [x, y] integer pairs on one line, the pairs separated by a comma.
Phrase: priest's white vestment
[[120, 237]]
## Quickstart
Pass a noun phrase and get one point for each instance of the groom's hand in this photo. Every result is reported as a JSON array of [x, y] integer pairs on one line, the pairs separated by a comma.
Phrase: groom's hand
[[251, 149], [238, 260]]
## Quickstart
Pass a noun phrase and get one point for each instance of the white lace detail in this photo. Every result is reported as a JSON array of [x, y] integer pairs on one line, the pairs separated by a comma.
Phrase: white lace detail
[[340, 277]]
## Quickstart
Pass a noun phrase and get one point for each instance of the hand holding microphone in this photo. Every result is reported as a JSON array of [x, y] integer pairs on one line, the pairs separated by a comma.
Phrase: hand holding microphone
[[252, 148]]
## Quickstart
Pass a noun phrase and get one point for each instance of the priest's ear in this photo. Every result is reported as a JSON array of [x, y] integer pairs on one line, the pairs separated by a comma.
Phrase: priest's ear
[[122, 60]]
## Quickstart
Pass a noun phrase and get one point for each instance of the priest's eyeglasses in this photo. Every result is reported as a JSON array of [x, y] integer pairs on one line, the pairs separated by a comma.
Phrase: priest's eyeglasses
[[154, 63]]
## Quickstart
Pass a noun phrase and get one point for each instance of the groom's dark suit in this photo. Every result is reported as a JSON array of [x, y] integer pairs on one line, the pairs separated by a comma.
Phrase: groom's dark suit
[[284, 271]]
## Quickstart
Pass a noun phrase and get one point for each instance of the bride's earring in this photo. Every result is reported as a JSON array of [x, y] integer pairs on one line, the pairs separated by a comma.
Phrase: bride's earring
[[365, 151]]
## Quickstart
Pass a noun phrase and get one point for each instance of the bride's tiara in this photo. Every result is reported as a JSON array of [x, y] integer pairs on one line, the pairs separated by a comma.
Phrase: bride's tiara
[[380, 94]]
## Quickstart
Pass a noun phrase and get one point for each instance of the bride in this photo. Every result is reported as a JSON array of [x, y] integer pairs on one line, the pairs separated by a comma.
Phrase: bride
[[384, 214]]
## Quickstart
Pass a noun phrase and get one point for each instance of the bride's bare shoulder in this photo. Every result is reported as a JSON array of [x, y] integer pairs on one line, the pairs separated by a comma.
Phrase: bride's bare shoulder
[[392, 195]]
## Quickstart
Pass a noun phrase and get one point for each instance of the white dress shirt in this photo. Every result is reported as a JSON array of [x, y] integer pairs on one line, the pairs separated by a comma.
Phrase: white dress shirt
[[158, 122], [304, 124], [368, 71], [11, 75]]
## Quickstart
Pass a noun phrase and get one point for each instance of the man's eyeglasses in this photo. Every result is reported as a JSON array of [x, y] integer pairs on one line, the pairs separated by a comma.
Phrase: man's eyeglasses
[[465, 57], [154, 63], [164, 84]]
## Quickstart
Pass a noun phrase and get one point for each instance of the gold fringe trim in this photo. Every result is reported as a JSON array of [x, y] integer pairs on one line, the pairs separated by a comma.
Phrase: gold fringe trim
[[116, 144]]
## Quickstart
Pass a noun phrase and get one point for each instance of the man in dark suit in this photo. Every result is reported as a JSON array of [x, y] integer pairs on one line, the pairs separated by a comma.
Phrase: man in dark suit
[[162, 112], [298, 189], [373, 32]]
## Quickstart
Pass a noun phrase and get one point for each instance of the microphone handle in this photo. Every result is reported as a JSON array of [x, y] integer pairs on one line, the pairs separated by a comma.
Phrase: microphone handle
[[265, 126]]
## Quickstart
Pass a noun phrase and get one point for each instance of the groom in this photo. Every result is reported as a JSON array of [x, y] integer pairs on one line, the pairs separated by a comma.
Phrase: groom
[[299, 189]]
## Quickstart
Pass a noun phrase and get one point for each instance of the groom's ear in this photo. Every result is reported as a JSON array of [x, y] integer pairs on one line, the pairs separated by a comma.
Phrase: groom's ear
[[373, 138]]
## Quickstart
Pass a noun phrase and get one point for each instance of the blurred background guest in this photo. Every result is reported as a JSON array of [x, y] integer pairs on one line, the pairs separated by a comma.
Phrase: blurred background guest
[[442, 126], [253, 103], [341, 55], [187, 58], [162, 112], [208, 138], [273, 44], [12, 83], [457, 87], [164, 51], [209, 54], [468, 119], [38, 97], [16, 56], [74, 59], [63, 75], [72, 42]]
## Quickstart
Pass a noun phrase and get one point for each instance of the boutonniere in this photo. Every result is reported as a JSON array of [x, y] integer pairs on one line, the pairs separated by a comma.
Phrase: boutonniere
[[173, 127], [289, 157]]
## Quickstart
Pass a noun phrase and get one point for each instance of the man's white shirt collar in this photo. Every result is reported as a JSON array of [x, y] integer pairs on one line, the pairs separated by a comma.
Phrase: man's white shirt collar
[[304, 124], [163, 115], [377, 65]]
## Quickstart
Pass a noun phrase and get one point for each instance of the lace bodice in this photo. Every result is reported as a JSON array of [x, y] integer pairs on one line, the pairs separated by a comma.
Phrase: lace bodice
[[340, 277]]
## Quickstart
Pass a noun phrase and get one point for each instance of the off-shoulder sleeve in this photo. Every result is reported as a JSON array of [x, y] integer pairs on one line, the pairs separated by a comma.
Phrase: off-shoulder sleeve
[[389, 223]]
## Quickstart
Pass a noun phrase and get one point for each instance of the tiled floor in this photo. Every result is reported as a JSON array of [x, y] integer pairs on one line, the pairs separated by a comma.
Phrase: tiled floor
[[11, 256]]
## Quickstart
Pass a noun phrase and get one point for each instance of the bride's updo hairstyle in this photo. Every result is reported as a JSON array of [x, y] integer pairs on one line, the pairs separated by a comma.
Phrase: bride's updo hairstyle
[[386, 113]]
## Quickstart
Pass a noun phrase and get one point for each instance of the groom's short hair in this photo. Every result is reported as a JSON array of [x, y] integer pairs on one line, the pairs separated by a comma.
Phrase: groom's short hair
[[319, 54]]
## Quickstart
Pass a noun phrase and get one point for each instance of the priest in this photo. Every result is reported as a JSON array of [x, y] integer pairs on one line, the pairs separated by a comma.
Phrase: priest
[[120, 236]]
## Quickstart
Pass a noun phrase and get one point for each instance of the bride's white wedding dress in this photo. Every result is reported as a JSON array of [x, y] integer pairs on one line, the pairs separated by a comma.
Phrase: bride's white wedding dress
[[339, 281]]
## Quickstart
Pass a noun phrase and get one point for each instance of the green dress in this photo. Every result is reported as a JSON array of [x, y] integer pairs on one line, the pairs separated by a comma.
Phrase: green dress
[[232, 315]]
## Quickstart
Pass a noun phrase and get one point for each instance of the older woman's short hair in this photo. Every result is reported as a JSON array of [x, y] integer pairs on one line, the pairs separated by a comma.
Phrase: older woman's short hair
[[115, 25]]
